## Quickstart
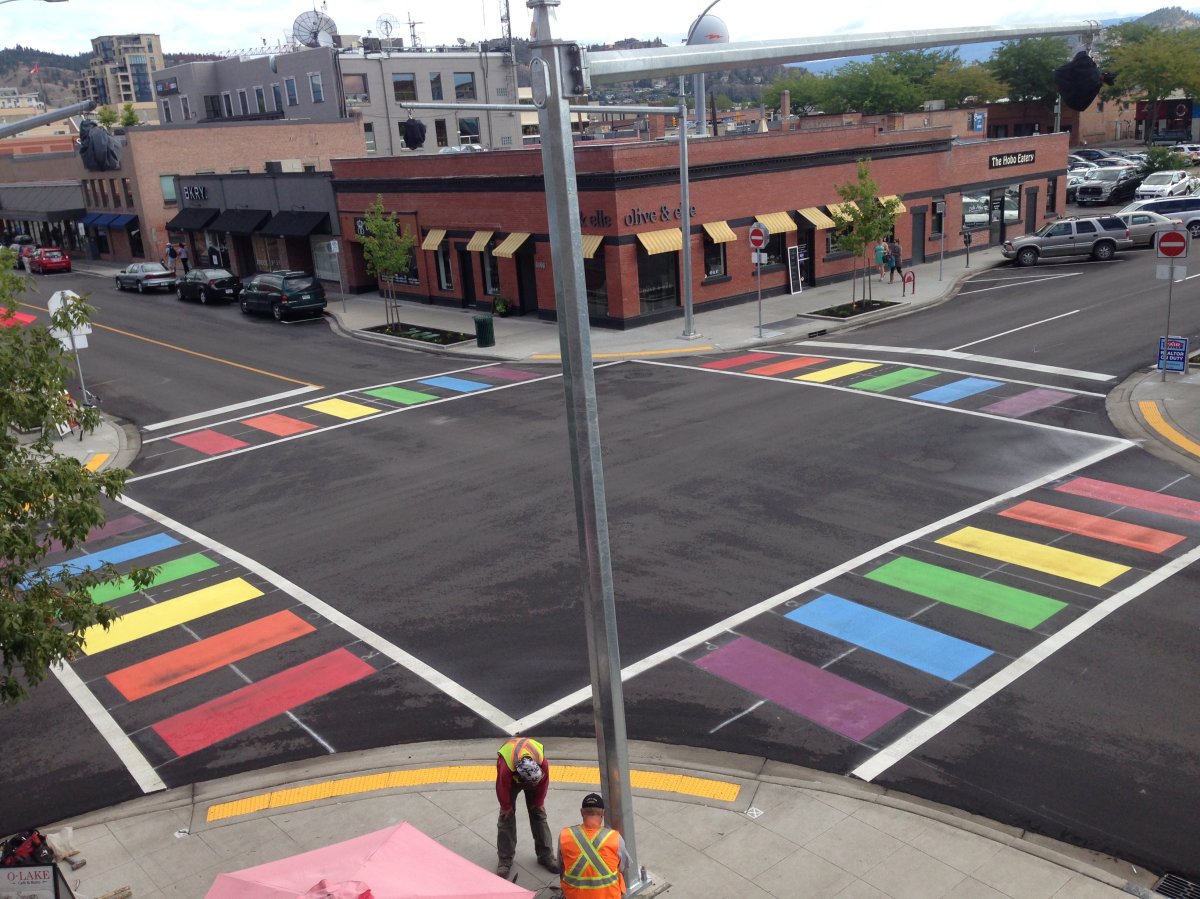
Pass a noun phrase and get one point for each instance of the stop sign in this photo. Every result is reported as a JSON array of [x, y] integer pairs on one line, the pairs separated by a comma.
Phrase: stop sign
[[759, 235], [1173, 244]]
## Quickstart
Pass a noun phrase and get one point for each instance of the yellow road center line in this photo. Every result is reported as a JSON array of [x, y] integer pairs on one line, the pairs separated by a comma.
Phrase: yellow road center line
[[342, 408], [1047, 559], [179, 610], [685, 784], [688, 350], [826, 375], [95, 460], [1152, 413]]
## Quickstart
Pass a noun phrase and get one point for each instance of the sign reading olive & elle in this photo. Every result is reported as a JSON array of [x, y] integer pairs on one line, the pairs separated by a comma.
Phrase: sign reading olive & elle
[[1004, 160]]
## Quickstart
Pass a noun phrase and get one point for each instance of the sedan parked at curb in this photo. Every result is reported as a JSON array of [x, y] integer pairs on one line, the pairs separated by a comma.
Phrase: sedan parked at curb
[[283, 294], [50, 259], [144, 276], [209, 285], [1145, 227]]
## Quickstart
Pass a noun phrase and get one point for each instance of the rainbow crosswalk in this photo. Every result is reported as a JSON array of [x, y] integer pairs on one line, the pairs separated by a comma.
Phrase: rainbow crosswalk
[[894, 641]]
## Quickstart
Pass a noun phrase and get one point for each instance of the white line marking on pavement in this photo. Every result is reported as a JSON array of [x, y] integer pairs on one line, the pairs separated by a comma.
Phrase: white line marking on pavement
[[931, 727], [687, 643], [737, 716], [410, 662], [135, 763], [972, 357], [158, 426], [963, 346], [1008, 282]]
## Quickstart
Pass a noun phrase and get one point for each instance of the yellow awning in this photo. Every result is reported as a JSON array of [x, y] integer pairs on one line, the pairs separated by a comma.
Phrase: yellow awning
[[433, 239], [479, 241], [511, 244], [777, 222], [667, 241], [591, 243], [900, 207], [835, 208], [820, 220], [720, 232]]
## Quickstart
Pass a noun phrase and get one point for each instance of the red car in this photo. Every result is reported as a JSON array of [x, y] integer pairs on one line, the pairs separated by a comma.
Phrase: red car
[[49, 259]]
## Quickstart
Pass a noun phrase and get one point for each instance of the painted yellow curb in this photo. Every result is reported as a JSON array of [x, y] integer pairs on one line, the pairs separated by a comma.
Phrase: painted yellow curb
[[1153, 415], [684, 784]]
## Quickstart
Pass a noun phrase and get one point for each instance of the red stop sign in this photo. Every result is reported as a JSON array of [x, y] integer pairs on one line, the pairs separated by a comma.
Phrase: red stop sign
[[759, 235], [1173, 244]]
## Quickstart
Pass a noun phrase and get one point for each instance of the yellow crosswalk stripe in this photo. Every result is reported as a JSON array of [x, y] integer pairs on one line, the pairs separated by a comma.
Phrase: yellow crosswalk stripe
[[825, 375], [342, 408], [1028, 554]]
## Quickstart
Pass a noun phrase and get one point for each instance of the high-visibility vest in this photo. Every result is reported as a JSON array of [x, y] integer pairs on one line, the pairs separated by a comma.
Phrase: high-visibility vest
[[591, 865], [514, 749]]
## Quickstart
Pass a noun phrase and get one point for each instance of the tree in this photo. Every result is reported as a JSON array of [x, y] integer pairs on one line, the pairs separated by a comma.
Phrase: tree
[[872, 89], [44, 498], [862, 220], [386, 251], [917, 66], [1027, 67], [958, 85], [1163, 159], [106, 116], [1150, 63], [129, 116], [807, 93]]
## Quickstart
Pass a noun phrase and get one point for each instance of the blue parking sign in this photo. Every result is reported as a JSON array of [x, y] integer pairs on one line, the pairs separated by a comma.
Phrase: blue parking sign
[[1172, 353]]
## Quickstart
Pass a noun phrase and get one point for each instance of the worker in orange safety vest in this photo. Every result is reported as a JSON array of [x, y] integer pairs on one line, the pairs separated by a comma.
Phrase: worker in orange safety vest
[[592, 856], [521, 767]]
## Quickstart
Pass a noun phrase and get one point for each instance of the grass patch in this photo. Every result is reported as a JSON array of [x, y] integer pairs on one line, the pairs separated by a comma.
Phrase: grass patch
[[849, 310]]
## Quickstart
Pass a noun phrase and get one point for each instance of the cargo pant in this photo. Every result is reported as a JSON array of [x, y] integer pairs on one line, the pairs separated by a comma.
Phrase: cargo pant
[[506, 830]]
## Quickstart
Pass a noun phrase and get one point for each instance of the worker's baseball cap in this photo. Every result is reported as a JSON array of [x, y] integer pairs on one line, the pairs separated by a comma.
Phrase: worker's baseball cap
[[593, 800]]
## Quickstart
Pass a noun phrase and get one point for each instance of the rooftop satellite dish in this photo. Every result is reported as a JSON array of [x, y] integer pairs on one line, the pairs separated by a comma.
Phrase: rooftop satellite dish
[[314, 29], [462, 41], [387, 24]]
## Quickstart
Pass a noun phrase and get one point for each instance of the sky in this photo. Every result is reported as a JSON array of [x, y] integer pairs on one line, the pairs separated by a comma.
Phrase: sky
[[232, 26]]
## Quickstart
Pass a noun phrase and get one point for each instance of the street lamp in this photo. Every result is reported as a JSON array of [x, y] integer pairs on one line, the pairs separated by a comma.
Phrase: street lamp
[[705, 30]]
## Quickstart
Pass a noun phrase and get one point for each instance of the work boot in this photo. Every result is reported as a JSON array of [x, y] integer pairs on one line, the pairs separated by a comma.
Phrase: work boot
[[503, 869], [550, 863]]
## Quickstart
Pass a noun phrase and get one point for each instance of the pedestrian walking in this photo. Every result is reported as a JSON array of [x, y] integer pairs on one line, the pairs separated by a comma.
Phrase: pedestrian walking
[[881, 254], [593, 857], [521, 767], [183, 257], [172, 258], [897, 254]]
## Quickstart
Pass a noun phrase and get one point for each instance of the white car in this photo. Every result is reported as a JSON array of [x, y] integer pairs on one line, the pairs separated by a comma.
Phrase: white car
[[1164, 184], [1191, 151]]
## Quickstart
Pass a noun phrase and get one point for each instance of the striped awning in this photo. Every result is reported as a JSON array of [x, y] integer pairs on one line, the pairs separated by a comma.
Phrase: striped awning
[[835, 208], [591, 243], [511, 244], [819, 220], [720, 232], [777, 222], [669, 240], [433, 239], [479, 241], [900, 208]]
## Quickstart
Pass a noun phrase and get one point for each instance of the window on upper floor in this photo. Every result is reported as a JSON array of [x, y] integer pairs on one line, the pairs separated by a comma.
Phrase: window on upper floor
[[293, 97], [315, 87], [354, 86], [243, 103], [260, 99], [464, 86], [404, 86], [435, 85], [166, 183]]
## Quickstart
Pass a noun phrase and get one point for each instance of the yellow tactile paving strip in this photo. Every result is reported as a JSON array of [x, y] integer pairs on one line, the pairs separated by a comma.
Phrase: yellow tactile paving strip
[[1153, 415], [95, 460], [702, 787]]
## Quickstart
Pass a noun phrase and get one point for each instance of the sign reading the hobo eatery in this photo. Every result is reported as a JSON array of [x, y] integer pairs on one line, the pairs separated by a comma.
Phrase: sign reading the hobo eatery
[[1004, 160]]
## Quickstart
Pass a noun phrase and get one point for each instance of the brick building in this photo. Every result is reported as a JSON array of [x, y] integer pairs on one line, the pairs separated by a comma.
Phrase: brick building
[[481, 230]]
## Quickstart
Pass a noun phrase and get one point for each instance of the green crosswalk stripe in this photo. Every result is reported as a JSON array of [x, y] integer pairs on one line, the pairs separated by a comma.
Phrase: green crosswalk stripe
[[167, 572]]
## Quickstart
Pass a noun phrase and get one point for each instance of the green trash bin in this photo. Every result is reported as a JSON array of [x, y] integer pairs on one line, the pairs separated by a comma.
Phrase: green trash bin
[[485, 331]]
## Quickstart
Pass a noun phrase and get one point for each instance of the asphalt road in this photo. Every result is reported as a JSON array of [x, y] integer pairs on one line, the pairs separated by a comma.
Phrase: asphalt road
[[444, 532]]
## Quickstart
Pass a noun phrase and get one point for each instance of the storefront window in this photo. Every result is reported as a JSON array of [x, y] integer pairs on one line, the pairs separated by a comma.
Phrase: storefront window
[[777, 249], [937, 220], [267, 253], [491, 271], [596, 284], [102, 241], [974, 210], [831, 244], [714, 258], [658, 280], [445, 273], [1051, 196]]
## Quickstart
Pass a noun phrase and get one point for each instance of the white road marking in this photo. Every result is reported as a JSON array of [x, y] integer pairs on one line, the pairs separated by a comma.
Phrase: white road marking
[[1009, 282], [737, 716], [385, 647], [158, 426], [733, 621], [931, 727], [135, 763], [963, 346], [952, 354]]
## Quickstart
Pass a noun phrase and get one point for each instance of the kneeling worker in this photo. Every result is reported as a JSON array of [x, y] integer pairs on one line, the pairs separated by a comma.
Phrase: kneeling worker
[[593, 857], [521, 768]]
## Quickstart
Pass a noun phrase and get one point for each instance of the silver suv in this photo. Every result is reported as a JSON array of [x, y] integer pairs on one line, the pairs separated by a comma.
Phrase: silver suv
[[1186, 209], [1099, 236]]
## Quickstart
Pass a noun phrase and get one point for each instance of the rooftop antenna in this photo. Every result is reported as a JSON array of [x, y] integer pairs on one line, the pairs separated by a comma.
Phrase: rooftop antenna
[[505, 25], [386, 25], [412, 32]]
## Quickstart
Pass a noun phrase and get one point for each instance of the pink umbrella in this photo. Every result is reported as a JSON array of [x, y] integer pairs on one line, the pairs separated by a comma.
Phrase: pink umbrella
[[397, 862]]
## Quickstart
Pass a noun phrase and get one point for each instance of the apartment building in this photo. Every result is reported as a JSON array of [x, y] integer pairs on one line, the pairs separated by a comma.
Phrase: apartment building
[[122, 69]]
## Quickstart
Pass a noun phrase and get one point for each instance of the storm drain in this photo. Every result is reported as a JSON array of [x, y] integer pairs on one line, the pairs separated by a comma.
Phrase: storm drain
[[1177, 888]]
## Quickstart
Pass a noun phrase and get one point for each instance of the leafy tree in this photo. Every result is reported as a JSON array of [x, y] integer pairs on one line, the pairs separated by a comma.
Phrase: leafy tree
[[958, 85], [106, 116], [862, 220], [386, 251], [917, 66], [44, 498], [129, 116], [1150, 63], [1027, 67], [808, 93], [872, 89], [1163, 159]]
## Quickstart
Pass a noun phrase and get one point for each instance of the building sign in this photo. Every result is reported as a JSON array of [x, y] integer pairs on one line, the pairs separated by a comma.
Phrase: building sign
[[35, 882], [167, 87], [664, 214], [976, 123], [198, 192], [1004, 160]]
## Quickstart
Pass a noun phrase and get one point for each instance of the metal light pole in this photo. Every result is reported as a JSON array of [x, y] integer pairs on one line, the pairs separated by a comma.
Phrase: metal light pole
[[712, 32], [685, 210]]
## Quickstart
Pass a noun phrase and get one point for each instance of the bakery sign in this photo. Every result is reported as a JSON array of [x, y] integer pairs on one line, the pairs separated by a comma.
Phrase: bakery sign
[[1004, 160]]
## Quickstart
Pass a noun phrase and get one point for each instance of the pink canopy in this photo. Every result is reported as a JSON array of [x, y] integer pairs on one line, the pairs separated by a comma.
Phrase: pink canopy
[[397, 862]]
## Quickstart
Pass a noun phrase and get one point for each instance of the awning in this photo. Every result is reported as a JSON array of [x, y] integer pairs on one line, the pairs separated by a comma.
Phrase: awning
[[900, 208], [120, 221], [194, 218], [669, 240], [479, 241], [45, 201], [433, 239], [296, 224], [836, 208], [720, 232], [240, 221], [819, 220], [511, 244], [777, 222], [104, 219], [591, 243], [92, 217]]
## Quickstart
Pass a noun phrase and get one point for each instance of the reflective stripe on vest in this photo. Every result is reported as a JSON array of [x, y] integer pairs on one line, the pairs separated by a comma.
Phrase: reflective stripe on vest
[[512, 751], [589, 854]]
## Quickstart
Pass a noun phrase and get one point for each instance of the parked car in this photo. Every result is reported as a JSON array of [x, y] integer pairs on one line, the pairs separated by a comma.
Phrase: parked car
[[209, 285], [1164, 184], [1091, 153], [1187, 209], [50, 259], [146, 276], [1108, 185], [283, 294], [1115, 162], [1191, 151], [1100, 237], [1144, 227]]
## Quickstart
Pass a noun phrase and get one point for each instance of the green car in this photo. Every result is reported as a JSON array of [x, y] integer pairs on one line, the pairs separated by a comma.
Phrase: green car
[[283, 294]]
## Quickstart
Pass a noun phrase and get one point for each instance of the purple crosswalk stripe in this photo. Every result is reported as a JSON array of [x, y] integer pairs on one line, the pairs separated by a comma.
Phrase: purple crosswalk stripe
[[1029, 401], [507, 374]]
